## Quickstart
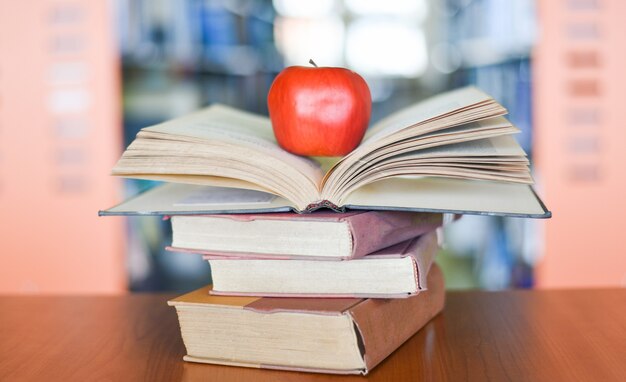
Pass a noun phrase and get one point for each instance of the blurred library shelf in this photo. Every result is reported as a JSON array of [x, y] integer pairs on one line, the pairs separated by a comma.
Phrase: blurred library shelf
[[178, 58], [85, 76]]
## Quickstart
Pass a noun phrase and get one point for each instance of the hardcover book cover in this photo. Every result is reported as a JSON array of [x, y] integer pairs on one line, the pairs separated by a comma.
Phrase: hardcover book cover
[[290, 235], [379, 326], [398, 271]]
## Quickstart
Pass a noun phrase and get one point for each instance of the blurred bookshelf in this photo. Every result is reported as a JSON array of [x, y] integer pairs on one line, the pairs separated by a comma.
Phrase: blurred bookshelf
[[179, 56], [556, 67], [490, 45]]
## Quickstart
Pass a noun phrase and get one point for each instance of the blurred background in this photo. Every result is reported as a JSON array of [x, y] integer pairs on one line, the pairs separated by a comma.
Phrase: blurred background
[[79, 78]]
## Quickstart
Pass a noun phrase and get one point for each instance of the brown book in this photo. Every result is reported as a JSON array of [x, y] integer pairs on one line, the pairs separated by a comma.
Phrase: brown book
[[338, 335]]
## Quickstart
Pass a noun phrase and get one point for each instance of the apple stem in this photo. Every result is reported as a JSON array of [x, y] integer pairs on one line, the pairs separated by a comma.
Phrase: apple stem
[[312, 62]]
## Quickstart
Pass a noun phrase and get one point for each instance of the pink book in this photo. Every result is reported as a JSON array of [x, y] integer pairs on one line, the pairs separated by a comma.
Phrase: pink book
[[319, 235], [394, 272]]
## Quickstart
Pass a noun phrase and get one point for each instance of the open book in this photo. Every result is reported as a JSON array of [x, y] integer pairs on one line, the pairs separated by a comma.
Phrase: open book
[[450, 153]]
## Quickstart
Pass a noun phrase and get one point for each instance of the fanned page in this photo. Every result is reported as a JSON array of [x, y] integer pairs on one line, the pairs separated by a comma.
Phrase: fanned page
[[439, 106], [221, 146], [453, 123]]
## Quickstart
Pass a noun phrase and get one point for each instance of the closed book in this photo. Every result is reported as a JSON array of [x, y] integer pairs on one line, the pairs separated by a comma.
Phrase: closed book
[[320, 234], [393, 272], [338, 335]]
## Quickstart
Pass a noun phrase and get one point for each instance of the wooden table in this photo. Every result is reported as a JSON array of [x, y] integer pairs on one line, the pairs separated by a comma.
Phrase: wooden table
[[481, 336]]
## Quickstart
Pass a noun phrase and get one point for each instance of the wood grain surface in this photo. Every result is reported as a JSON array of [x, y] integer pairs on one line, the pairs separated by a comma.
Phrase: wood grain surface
[[575, 335]]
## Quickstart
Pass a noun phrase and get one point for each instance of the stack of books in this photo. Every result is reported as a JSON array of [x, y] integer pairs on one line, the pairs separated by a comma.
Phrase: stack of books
[[325, 292], [302, 289]]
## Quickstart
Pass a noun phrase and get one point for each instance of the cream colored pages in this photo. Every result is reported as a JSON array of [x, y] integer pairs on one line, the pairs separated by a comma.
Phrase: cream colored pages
[[426, 110], [466, 132], [214, 181], [171, 163], [423, 194], [222, 123], [482, 138], [223, 142], [491, 148], [180, 199], [451, 160], [448, 195], [447, 111], [459, 134]]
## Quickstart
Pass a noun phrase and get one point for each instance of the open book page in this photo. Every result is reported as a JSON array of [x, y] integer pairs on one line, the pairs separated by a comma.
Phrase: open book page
[[494, 158], [354, 171], [174, 159], [439, 113], [450, 124], [222, 123], [466, 132], [411, 194], [224, 142], [182, 199], [459, 171], [215, 181], [490, 149], [471, 142], [459, 135], [448, 195], [426, 110]]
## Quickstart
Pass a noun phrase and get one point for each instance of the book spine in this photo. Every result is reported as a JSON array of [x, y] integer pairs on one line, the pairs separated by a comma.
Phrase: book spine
[[423, 255], [376, 230], [322, 204], [385, 324]]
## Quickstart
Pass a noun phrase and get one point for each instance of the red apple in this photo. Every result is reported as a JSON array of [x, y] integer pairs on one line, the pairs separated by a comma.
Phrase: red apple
[[319, 111]]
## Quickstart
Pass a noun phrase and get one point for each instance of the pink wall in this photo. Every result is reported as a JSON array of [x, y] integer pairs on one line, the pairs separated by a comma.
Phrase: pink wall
[[580, 141], [60, 134]]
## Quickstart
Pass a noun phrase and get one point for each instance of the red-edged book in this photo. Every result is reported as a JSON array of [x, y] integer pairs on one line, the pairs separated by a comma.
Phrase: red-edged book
[[322, 235]]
